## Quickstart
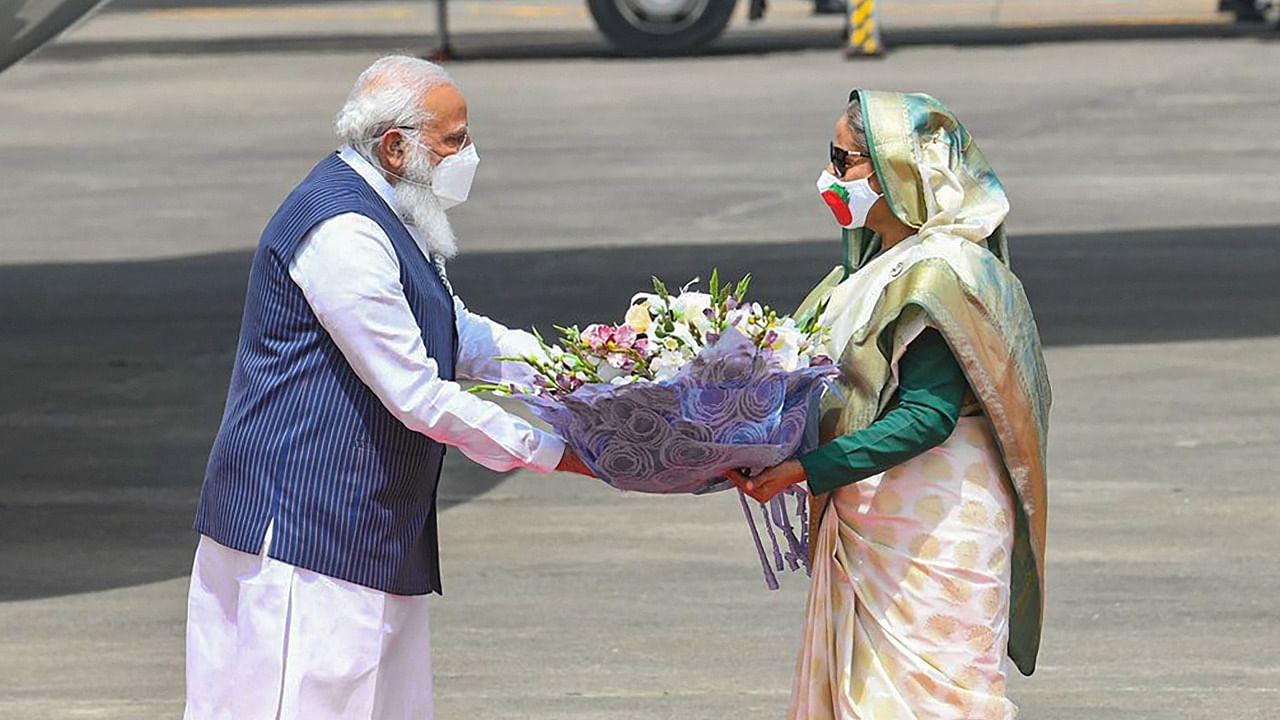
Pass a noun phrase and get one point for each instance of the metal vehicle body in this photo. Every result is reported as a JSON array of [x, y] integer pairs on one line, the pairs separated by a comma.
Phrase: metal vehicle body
[[27, 24]]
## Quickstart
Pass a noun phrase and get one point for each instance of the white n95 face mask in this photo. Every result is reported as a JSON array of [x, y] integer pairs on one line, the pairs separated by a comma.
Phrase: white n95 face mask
[[451, 179], [849, 201]]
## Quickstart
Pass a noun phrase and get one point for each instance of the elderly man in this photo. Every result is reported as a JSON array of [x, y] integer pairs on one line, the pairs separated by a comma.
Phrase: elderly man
[[318, 552]]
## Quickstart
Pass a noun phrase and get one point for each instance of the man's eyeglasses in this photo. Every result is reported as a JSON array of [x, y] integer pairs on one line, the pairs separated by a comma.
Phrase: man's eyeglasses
[[454, 143], [840, 158]]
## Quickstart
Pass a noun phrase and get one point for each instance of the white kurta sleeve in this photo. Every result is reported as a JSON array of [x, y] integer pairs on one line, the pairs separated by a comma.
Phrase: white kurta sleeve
[[349, 272], [482, 340]]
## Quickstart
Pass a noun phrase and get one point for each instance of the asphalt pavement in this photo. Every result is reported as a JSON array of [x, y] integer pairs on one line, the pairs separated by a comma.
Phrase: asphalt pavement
[[1142, 173]]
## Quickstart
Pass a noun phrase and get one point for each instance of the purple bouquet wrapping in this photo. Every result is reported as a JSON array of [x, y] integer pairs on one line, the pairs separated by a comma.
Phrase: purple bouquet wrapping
[[731, 407]]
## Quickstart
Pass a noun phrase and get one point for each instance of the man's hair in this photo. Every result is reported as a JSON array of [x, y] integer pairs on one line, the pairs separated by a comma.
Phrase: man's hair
[[387, 94]]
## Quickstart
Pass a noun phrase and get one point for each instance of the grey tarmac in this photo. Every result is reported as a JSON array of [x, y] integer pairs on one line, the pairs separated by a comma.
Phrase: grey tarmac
[[1143, 176]]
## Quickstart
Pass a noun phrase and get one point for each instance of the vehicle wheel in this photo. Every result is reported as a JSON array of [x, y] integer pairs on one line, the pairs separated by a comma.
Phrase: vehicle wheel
[[1248, 11], [661, 27], [1271, 14]]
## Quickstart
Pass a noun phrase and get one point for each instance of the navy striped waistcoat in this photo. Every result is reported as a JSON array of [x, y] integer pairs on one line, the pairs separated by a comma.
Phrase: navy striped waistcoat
[[304, 444]]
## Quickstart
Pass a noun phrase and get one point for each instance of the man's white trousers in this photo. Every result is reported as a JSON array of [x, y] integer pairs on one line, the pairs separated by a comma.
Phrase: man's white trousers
[[270, 641]]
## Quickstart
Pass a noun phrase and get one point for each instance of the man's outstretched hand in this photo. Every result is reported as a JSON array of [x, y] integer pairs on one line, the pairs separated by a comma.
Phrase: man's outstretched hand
[[572, 463]]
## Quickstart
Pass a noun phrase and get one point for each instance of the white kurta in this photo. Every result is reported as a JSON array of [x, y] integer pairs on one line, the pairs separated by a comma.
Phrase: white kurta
[[269, 640]]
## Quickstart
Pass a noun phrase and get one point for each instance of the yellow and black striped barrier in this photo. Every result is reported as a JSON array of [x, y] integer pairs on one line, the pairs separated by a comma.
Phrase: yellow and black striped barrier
[[864, 29]]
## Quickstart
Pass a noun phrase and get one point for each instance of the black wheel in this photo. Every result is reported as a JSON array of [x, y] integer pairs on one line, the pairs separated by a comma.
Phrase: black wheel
[[661, 27], [1247, 11]]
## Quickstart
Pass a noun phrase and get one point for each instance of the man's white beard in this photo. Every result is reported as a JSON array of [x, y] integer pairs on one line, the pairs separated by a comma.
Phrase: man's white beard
[[420, 207]]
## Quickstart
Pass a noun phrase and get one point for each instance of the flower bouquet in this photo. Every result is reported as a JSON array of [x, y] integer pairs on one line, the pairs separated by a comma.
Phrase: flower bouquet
[[688, 385]]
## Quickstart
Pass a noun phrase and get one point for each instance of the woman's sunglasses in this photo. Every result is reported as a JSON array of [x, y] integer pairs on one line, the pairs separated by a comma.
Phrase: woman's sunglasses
[[840, 158]]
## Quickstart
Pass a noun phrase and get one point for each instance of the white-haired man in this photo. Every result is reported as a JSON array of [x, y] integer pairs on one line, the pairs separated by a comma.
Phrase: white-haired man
[[318, 552]]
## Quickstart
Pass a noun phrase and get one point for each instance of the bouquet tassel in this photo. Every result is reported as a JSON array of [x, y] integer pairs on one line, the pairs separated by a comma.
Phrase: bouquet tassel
[[777, 520]]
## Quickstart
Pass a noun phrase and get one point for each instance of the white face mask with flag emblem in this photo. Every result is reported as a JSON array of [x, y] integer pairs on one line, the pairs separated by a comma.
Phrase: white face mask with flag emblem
[[849, 201]]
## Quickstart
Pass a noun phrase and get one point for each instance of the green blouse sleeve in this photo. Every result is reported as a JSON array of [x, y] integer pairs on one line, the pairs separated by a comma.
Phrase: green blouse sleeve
[[931, 390]]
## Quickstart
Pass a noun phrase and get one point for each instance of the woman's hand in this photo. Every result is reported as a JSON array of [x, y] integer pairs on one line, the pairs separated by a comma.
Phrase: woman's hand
[[770, 482]]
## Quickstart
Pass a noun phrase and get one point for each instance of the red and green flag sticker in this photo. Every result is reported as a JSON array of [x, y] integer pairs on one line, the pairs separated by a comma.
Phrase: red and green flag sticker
[[837, 199]]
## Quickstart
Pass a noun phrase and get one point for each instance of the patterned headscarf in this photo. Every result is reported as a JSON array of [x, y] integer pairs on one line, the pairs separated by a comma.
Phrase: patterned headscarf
[[953, 275], [931, 172]]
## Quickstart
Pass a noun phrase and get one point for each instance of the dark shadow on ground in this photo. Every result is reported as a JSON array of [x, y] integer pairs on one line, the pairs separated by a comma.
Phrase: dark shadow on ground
[[554, 44], [1100, 288], [115, 373]]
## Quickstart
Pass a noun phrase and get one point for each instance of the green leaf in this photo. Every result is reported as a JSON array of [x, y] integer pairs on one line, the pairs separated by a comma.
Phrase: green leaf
[[489, 388], [715, 283], [812, 325], [660, 288], [697, 335]]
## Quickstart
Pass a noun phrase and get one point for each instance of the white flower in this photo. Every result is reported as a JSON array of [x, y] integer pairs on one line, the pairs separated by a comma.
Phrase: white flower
[[746, 316], [690, 306], [623, 380], [608, 373], [683, 332], [667, 365], [696, 306], [786, 347], [653, 302]]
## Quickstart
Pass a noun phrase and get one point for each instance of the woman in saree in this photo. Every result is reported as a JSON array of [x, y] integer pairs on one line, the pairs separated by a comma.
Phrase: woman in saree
[[929, 495]]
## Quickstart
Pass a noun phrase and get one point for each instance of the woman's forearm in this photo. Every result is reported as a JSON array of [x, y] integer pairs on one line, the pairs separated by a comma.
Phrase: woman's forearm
[[930, 393]]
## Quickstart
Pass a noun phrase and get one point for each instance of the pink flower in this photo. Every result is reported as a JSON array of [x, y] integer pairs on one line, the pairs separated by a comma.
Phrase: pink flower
[[642, 346], [624, 337], [821, 361], [597, 336]]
